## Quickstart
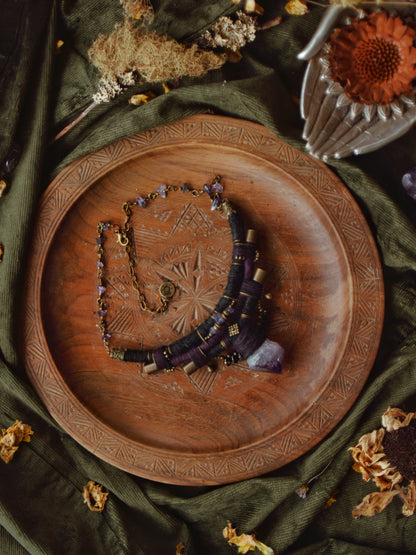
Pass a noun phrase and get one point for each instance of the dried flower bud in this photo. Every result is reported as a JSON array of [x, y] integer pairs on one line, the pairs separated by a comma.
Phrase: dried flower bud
[[11, 439]]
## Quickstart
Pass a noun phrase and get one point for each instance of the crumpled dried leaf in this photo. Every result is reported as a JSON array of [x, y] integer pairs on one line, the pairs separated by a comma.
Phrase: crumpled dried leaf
[[245, 542], [297, 7], [94, 496], [139, 99], [11, 439], [395, 418], [374, 503]]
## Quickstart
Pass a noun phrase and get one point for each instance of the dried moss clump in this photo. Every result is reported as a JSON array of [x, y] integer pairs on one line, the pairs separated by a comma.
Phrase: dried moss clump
[[151, 56]]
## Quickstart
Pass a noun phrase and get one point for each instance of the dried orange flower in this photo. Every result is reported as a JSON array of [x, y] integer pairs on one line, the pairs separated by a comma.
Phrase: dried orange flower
[[373, 58], [297, 7], [12, 438], [179, 548], [94, 496], [388, 457], [245, 542]]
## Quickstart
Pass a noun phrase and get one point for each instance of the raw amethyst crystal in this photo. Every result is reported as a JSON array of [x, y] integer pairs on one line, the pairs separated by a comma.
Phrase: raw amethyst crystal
[[100, 289], [267, 358], [207, 189], [409, 183], [162, 191], [185, 188], [216, 203], [217, 187], [141, 201]]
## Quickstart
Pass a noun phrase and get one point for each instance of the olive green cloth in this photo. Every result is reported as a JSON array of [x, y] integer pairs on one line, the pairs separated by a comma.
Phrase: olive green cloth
[[41, 506]]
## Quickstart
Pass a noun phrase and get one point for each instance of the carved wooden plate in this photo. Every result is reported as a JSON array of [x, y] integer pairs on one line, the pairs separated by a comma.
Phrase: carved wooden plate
[[324, 278]]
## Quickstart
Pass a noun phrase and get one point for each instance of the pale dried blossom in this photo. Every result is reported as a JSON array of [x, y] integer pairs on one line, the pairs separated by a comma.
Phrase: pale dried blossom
[[94, 496], [387, 456], [231, 34], [245, 542], [12, 437]]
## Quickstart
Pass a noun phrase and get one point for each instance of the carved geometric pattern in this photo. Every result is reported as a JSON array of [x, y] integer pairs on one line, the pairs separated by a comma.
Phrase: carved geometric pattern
[[280, 446]]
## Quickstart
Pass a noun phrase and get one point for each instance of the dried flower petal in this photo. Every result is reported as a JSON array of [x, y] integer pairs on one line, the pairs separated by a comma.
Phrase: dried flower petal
[[245, 542], [94, 497], [395, 418], [1, 252], [409, 496], [374, 503], [296, 7], [139, 99], [11, 439], [179, 548]]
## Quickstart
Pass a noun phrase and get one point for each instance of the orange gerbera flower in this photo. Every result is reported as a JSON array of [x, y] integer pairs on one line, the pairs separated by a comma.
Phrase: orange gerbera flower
[[374, 58], [388, 456]]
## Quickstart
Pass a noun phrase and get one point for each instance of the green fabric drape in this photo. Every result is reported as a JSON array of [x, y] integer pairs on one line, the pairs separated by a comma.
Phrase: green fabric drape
[[41, 508]]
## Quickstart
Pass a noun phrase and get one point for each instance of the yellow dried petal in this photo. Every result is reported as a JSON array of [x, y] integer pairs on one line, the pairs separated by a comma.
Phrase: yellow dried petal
[[3, 187], [94, 496], [179, 548], [374, 503], [297, 7], [166, 88], [245, 542], [11, 439], [1, 252], [139, 99]]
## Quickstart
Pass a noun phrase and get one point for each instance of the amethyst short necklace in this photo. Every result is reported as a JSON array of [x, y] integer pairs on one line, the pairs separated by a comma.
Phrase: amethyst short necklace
[[234, 331]]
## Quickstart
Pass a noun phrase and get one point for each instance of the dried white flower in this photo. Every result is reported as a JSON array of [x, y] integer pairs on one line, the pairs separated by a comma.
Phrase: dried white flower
[[226, 33]]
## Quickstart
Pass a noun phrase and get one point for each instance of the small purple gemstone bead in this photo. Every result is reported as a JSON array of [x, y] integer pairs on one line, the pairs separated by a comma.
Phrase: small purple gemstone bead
[[216, 203], [162, 191], [207, 189], [218, 318], [213, 331], [102, 312], [99, 240], [217, 187], [106, 336], [100, 289], [229, 309], [99, 264], [185, 188], [106, 226], [141, 201]]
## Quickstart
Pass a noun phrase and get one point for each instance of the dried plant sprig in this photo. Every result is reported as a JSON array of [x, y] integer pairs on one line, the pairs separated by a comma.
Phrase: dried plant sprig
[[230, 33]]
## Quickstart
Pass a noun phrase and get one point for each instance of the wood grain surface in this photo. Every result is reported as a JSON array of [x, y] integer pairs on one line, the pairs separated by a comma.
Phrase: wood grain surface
[[326, 302]]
